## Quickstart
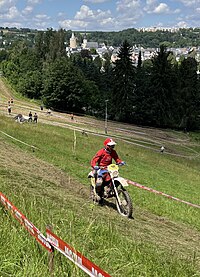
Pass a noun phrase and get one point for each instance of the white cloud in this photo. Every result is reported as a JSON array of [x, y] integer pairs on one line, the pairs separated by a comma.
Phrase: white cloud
[[90, 19], [87, 14], [123, 14], [129, 11], [182, 24], [41, 21], [6, 4], [177, 11], [161, 8], [150, 6], [27, 10], [96, 1], [127, 5], [42, 16], [60, 14], [73, 24], [12, 13], [151, 2], [190, 2], [33, 2], [107, 21], [11, 24]]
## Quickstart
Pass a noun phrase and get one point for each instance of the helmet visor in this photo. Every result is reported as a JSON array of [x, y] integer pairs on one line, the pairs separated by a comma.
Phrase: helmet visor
[[111, 146]]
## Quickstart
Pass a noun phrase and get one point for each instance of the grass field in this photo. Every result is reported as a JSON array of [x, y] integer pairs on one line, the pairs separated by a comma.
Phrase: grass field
[[50, 186]]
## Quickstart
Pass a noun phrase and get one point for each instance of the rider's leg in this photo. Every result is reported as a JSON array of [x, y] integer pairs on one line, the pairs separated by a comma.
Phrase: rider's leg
[[99, 189], [98, 186]]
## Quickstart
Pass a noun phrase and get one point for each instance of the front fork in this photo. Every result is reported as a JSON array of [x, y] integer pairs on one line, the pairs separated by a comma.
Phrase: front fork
[[116, 193]]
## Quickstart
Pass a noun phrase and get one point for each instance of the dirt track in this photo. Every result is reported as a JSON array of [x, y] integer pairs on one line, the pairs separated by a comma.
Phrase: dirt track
[[176, 143]]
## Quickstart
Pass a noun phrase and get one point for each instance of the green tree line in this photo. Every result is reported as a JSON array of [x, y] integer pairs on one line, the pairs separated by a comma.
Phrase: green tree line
[[159, 92], [189, 37]]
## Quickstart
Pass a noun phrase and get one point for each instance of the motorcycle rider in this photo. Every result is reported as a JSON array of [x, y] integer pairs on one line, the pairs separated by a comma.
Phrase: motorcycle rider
[[99, 163]]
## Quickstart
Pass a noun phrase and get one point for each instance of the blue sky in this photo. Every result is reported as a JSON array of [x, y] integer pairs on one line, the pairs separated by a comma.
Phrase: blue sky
[[99, 15]]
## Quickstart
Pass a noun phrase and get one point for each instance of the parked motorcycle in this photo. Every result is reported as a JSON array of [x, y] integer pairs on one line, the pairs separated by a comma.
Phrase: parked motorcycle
[[115, 189]]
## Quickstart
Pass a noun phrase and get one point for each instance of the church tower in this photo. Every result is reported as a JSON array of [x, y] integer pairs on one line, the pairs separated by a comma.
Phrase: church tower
[[84, 44], [73, 43]]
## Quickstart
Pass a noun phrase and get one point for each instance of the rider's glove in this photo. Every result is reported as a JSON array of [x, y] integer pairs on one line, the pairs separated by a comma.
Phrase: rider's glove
[[96, 167], [122, 163]]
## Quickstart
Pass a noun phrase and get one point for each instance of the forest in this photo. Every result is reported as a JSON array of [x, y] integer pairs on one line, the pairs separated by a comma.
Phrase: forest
[[160, 92]]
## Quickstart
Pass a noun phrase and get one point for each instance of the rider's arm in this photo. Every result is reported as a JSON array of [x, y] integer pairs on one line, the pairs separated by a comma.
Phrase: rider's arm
[[96, 159], [116, 157]]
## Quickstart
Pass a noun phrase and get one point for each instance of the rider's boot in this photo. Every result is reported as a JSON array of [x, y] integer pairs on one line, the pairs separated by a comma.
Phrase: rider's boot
[[99, 192]]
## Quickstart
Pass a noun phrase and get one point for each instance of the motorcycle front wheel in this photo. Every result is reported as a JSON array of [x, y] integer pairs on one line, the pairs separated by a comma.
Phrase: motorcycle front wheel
[[126, 207]]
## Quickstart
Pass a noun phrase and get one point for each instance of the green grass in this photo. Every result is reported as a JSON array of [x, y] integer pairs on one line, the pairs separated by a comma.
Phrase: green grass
[[50, 185]]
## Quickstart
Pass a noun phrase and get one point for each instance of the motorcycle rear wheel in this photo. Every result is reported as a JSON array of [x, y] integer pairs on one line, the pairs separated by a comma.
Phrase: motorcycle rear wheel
[[126, 208]]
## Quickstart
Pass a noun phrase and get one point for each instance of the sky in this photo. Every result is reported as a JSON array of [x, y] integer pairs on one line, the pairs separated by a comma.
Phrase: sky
[[99, 15]]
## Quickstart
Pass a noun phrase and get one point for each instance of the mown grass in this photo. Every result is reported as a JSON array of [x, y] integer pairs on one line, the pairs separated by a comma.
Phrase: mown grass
[[97, 237], [175, 176], [160, 241]]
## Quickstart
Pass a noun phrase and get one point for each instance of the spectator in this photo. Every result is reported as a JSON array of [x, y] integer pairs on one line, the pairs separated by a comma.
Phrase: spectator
[[11, 101], [41, 107], [49, 112], [30, 117], [35, 118], [72, 116], [9, 109]]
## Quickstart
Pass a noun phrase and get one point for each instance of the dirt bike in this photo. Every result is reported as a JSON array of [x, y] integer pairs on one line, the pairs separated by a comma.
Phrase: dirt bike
[[114, 189]]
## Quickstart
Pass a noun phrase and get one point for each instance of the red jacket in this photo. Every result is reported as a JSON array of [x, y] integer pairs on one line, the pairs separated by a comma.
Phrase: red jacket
[[104, 157]]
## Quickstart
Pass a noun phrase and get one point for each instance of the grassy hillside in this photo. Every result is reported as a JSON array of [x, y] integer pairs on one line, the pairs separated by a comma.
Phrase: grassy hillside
[[50, 185]]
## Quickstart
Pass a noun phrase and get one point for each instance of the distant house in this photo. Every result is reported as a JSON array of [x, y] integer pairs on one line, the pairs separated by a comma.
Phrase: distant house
[[90, 45]]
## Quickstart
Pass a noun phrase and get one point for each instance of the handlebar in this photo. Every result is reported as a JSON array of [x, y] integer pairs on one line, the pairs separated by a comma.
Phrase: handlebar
[[96, 167]]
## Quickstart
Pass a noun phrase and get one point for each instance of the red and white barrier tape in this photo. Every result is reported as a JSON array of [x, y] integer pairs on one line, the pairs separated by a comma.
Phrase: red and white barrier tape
[[52, 241], [25, 222], [77, 258], [162, 193]]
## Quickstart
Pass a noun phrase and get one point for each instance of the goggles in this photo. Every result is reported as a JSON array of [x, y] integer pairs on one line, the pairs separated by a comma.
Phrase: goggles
[[111, 146]]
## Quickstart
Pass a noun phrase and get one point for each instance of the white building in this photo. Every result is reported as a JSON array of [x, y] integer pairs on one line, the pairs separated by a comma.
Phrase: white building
[[72, 42]]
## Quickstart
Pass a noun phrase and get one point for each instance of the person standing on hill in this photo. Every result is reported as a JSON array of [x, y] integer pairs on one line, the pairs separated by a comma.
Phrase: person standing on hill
[[35, 118], [30, 117], [99, 163], [9, 109]]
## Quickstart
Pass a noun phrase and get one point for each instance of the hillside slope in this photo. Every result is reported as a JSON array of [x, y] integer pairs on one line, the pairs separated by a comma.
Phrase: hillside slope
[[50, 186]]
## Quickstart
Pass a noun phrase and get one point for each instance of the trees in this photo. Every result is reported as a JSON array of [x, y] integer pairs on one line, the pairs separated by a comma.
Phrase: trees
[[142, 99], [123, 84], [158, 92], [23, 69], [189, 108], [65, 87], [162, 90]]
